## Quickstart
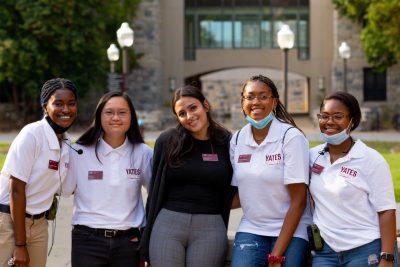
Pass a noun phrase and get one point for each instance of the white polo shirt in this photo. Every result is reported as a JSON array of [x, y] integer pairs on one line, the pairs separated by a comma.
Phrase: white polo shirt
[[262, 172], [35, 158], [108, 190], [348, 195]]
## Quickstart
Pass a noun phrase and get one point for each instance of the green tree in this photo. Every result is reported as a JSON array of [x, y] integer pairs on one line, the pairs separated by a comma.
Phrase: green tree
[[43, 39], [381, 28]]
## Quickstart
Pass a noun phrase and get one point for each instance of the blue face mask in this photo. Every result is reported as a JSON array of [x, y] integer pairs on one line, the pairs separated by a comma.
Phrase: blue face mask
[[262, 123], [336, 139]]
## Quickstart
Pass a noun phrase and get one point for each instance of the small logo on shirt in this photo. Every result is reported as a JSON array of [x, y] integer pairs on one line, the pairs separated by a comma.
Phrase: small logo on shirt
[[244, 158], [95, 175], [53, 165], [133, 173], [273, 159], [66, 165], [316, 168], [210, 157], [347, 172]]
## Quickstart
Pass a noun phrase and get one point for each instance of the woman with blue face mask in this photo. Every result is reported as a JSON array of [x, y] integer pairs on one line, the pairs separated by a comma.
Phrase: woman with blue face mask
[[352, 190], [269, 156]]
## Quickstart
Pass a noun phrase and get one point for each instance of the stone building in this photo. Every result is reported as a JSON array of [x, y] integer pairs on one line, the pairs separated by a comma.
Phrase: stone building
[[220, 43]]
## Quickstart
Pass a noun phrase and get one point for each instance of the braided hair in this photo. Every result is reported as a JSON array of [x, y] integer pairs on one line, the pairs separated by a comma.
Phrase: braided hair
[[50, 86], [280, 111]]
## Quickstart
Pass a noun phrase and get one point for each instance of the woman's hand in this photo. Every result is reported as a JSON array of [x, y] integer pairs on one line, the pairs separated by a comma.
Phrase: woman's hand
[[21, 256]]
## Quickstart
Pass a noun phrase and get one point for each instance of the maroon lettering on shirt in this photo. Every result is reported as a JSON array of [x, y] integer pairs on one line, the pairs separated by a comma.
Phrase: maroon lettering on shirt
[[134, 171], [273, 159], [210, 157], [53, 165], [95, 175], [316, 168], [347, 172], [244, 158]]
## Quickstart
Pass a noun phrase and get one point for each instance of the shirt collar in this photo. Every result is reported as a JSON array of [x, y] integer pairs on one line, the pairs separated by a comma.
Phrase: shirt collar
[[358, 150], [51, 136], [105, 149]]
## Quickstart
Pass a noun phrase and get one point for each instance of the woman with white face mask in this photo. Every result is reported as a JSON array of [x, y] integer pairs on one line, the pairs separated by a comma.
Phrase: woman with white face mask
[[269, 158], [352, 189]]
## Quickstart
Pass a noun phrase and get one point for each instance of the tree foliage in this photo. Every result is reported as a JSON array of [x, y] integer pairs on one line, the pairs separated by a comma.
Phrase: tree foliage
[[381, 28], [43, 39]]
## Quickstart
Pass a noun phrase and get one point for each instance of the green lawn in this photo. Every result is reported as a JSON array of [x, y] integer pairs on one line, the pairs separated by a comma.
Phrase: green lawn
[[383, 147]]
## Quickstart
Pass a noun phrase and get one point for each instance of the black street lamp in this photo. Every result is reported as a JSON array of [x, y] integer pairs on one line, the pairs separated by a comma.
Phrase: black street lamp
[[345, 54], [285, 42]]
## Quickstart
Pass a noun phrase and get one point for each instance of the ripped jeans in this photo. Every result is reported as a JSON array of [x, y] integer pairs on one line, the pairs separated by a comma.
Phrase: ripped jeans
[[365, 255], [252, 250]]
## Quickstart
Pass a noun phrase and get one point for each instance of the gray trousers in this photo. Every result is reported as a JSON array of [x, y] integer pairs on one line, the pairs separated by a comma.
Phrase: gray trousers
[[191, 240]]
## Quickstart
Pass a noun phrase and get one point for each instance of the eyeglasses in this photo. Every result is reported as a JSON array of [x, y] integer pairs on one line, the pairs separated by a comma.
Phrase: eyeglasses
[[337, 117], [259, 97], [120, 113]]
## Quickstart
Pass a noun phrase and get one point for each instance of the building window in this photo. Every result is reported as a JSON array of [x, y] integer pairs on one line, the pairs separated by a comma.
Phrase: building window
[[374, 85], [244, 24]]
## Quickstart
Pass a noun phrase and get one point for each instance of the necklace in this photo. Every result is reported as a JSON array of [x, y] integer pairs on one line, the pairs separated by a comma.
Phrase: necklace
[[351, 145]]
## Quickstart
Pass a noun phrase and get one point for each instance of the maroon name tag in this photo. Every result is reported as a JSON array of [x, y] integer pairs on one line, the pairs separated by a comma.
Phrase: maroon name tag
[[244, 158], [53, 165], [95, 175], [210, 157], [317, 168]]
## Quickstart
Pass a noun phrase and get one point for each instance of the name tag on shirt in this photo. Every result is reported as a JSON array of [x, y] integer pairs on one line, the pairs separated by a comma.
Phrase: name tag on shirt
[[210, 157], [317, 168], [95, 175], [133, 173], [53, 165], [244, 158]]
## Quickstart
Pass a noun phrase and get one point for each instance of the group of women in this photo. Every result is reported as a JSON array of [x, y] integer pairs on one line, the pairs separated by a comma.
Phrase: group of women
[[196, 174]]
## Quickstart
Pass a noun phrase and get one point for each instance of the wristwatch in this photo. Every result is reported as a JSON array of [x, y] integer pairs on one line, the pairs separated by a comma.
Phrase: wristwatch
[[387, 256]]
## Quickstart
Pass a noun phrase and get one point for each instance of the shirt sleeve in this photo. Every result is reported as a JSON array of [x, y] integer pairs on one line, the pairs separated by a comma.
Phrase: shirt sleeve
[[232, 148], [21, 156], [381, 187], [296, 160], [70, 182], [147, 167]]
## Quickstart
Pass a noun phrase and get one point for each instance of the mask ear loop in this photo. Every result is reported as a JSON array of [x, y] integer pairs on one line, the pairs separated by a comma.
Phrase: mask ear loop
[[348, 129]]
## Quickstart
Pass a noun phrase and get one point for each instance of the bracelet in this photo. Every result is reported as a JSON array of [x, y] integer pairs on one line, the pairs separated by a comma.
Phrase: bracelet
[[272, 259], [20, 245]]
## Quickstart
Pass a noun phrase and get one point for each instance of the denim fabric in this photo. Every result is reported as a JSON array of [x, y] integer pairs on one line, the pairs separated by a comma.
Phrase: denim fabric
[[366, 255], [89, 250], [252, 250]]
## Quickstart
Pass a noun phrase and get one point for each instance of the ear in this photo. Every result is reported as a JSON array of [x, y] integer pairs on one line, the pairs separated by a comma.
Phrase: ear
[[44, 109], [206, 105]]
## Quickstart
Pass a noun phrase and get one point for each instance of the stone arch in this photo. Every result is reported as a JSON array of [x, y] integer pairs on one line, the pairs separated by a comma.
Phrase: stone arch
[[222, 88]]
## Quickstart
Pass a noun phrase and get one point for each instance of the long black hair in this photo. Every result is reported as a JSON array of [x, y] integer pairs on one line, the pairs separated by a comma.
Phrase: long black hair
[[280, 111], [181, 142], [93, 134]]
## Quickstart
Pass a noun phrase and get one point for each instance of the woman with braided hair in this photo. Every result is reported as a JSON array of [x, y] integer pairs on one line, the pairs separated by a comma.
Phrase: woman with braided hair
[[35, 166], [270, 168]]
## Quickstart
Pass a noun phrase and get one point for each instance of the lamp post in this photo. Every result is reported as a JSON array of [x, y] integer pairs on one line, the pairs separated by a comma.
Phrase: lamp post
[[125, 40], [113, 56], [345, 54], [285, 42]]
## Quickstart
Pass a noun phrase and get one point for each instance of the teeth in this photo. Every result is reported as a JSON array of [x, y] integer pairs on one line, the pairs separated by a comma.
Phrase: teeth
[[65, 117]]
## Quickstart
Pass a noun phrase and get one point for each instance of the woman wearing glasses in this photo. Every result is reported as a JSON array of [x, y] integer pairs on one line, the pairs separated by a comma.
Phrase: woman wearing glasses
[[107, 173], [352, 189], [270, 167]]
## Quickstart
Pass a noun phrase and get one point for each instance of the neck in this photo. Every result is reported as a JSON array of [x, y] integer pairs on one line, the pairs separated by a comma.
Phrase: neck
[[260, 134], [342, 148], [114, 141]]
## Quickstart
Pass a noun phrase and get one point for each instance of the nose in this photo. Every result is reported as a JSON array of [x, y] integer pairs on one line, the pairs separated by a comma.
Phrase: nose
[[65, 108]]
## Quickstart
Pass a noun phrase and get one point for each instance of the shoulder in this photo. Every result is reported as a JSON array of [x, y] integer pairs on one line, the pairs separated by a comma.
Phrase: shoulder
[[144, 148], [289, 132], [166, 135], [369, 154]]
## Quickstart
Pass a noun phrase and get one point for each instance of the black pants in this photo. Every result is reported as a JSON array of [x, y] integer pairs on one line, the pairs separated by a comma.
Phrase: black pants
[[91, 250]]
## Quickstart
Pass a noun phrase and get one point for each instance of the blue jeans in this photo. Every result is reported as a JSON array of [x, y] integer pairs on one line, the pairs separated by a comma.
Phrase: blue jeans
[[365, 255], [252, 250]]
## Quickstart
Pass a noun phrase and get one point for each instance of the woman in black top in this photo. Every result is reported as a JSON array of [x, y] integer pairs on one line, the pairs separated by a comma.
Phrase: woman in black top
[[190, 194]]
